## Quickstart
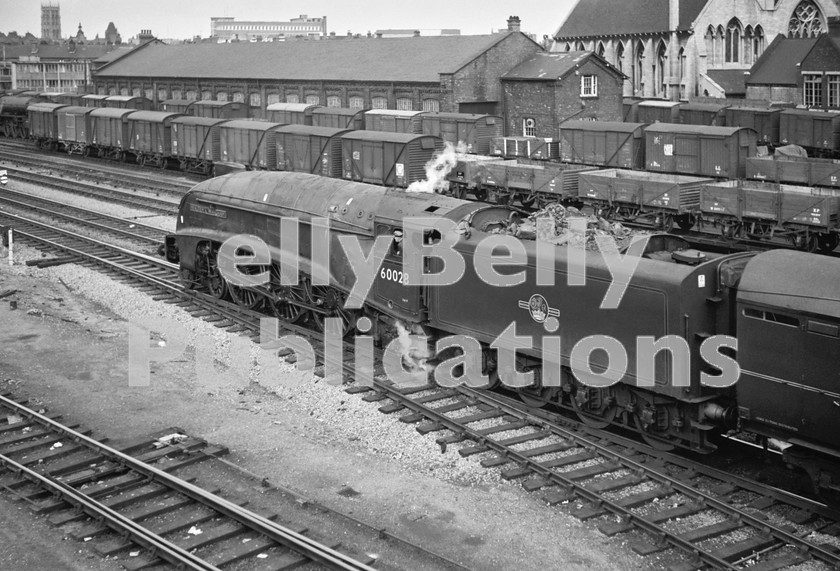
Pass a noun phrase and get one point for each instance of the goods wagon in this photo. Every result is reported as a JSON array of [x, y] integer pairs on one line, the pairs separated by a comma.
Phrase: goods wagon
[[339, 117], [109, 132], [291, 113], [129, 102], [52, 97], [314, 150], [703, 114], [469, 175], [74, 127], [220, 109], [94, 100], [802, 170], [196, 143], [183, 106], [389, 159], [74, 99], [393, 121], [630, 109], [658, 199], [525, 147], [13, 115], [657, 111], [250, 143], [43, 123], [530, 183], [764, 121], [475, 131], [748, 208], [699, 150], [604, 143], [818, 131], [150, 136]]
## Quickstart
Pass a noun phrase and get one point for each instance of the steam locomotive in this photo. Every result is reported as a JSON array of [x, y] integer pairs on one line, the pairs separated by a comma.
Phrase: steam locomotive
[[660, 363]]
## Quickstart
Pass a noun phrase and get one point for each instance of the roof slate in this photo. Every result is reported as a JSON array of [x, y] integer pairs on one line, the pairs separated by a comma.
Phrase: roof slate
[[420, 59], [551, 66], [778, 64], [732, 81], [591, 18]]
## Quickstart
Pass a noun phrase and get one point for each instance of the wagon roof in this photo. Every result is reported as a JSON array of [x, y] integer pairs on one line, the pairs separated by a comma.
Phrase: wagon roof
[[420, 59], [46, 107], [252, 125], [794, 281], [694, 129], [111, 112], [95, 96], [292, 106], [393, 112], [208, 103], [153, 116], [601, 126], [311, 130], [77, 109], [124, 97], [385, 136], [190, 120], [812, 113]]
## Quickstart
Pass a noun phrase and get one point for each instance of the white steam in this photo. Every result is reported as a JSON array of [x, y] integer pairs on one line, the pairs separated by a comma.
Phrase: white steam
[[438, 167]]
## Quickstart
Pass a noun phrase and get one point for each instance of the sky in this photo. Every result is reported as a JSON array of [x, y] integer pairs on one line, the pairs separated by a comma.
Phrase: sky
[[181, 19]]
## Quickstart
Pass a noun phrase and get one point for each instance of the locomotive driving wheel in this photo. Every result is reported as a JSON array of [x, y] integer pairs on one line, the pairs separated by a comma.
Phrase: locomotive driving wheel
[[282, 306], [330, 303], [245, 297]]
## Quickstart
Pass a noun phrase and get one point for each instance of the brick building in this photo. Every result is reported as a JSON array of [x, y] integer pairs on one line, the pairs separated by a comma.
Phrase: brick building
[[445, 73], [550, 88], [226, 29], [676, 49], [805, 71]]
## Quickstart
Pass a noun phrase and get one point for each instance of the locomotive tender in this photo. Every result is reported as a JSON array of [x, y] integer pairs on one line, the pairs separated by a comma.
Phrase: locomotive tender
[[782, 307]]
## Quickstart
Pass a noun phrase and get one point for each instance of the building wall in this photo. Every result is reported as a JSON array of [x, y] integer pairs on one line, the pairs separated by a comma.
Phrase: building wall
[[778, 94], [700, 51], [479, 80], [550, 103], [226, 29]]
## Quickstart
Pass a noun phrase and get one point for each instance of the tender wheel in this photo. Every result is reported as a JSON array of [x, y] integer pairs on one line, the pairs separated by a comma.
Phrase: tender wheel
[[480, 194], [459, 191], [590, 407], [536, 397], [665, 222], [650, 437]]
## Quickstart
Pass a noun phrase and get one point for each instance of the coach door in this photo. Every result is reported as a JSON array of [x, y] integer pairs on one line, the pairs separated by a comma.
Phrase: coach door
[[391, 284]]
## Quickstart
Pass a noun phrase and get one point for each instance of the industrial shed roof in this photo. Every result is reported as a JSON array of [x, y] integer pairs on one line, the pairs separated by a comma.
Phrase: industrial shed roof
[[420, 59], [590, 18], [551, 66]]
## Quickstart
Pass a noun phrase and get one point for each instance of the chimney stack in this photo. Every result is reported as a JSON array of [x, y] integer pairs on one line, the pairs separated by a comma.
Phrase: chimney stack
[[513, 24], [416, 33]]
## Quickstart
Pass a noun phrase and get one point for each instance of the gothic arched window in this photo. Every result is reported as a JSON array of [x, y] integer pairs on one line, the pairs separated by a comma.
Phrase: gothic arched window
[[733, 40], [639, 69], [619, 57], [806, 21], [659, 70]]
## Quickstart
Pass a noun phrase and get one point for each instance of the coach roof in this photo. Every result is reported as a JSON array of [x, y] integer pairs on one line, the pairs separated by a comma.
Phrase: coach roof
[[420, 59]]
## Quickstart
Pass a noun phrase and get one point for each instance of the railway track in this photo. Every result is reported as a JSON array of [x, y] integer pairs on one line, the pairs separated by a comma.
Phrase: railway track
[[711, 519], [99, 170], [715, 519], [133, 492], [112, 195], [135, 231]]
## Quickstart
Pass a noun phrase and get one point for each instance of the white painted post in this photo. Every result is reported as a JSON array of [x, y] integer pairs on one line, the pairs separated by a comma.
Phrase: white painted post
[[11, 249]]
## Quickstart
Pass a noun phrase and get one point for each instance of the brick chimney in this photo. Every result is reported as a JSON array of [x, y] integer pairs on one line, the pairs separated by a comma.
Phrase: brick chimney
[[513, 24], [416, 33]]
